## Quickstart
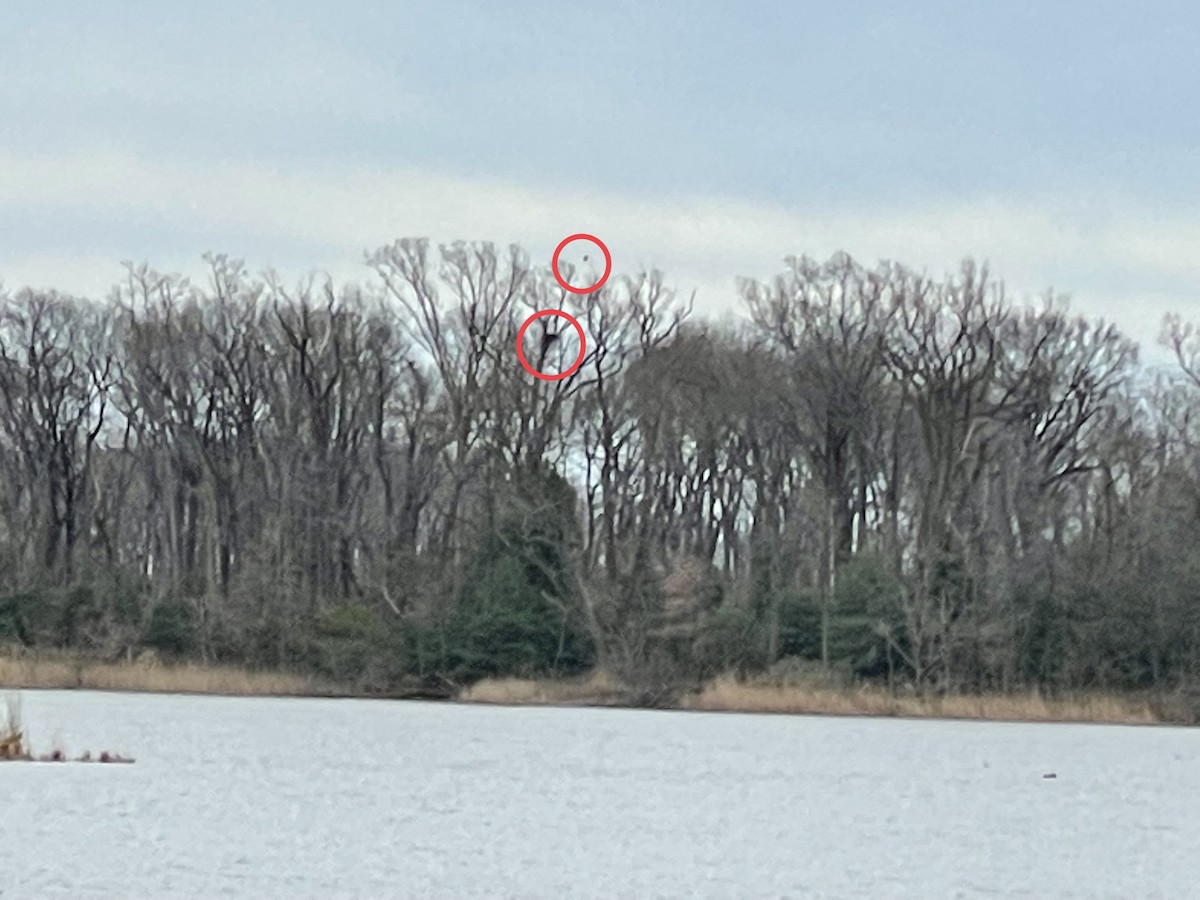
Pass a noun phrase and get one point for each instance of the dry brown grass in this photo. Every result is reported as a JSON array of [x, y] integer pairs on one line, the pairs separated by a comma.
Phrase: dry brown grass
[[791, 693], [597, 689], [809, 693], [730, 694], [12, 735], [57, 671]]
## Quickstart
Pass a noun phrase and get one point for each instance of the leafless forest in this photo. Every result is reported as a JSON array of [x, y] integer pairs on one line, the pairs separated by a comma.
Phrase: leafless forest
[[916, 480]]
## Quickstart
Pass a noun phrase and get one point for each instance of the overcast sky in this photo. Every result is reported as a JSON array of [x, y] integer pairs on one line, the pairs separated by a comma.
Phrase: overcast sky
[[1059, 142]]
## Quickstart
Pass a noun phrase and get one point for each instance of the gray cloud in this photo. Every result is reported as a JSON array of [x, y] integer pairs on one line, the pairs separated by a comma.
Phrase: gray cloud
[[1127, 265]]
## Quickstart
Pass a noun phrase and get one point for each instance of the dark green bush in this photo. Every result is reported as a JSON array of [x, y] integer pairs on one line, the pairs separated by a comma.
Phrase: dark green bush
[[171, 629], [505, 625]]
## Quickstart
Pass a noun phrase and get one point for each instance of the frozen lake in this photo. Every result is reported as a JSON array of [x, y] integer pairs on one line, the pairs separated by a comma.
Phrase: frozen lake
[[235, 797]]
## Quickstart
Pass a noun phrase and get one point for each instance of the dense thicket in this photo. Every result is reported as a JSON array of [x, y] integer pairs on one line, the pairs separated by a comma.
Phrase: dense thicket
[[908, 477]]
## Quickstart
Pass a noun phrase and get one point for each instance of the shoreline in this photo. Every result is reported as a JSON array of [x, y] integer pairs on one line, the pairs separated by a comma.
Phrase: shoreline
[[724, 694]]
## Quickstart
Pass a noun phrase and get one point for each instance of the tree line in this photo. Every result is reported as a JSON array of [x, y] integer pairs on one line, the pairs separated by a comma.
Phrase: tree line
[[909, 479]]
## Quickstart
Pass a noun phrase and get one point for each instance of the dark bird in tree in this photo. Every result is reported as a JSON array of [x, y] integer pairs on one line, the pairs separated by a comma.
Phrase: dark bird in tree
[[548, 339]]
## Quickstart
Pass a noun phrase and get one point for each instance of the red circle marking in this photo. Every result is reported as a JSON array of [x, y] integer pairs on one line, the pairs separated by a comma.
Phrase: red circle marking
[[607, 263], [521, 348]]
